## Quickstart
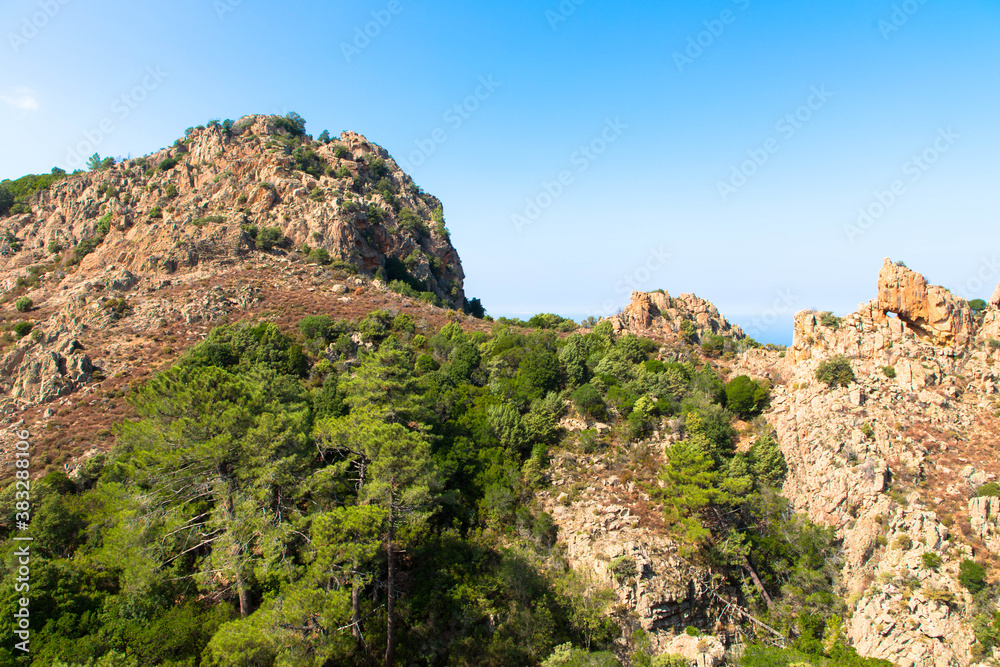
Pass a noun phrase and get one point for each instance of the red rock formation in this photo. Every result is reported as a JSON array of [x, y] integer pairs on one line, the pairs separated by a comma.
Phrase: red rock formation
[[932, 312], [659, 314]]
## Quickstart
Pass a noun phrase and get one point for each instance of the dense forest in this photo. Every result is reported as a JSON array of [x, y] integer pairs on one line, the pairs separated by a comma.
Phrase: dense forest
[[358, 493]]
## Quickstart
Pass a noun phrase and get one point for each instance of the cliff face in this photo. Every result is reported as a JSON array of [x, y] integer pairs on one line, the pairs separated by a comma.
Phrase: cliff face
[[892, 460]]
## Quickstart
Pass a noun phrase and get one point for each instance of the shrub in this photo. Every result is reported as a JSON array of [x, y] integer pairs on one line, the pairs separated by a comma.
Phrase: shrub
[[84, 248], [168, 164], [155, 213], [217, 219], [316, 326], [54, 247], [688, 332], [292, 123], [341, 153], [828, 319], [22, 329], [692, 631], [426, 364], [903, 543], [378, 169], [171, 191], [835, 372], [320, 256], [991, 489], [977, 305], [931, 560], [972, 576], [342, 172], [622, 568], [745, 396], [24, 304], [994, 344], [889, 372], [589, 402], [271, 237]]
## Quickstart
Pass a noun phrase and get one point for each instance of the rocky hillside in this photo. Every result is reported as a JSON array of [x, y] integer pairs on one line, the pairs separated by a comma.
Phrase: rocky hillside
[[891, 459], [110, 273], [226, 192]]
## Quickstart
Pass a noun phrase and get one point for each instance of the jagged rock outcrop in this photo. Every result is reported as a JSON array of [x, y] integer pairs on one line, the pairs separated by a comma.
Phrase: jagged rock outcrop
[[891, 460], [932, 312], [38, 370], [995, 299], [984, 517], [661, 316]]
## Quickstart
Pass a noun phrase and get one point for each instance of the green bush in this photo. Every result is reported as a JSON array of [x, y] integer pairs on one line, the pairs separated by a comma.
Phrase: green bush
[[889, 372], [155, 213], [589, 402], [171, 191], [292, 123], [828, 319], [991, 489], [745, 397], [622, 568], [168, 164], [341, 153], [320, 256], [972, 576], [977, 305], [316, 327], [22, 329], [54, 247], [688, 332], [272, 237], [24, 304], [930, 560], [84, 248], [378, 169], [216, 219], [835, 372]]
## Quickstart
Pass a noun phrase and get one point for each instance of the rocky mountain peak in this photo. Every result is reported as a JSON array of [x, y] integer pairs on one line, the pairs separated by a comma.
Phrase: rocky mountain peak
[[661, 316], [227, 191]]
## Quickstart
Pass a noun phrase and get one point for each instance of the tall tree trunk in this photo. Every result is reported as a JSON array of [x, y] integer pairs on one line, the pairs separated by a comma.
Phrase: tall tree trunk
[[747, 565], [356, 611], [241, 587], [390, 633], [241, 590]]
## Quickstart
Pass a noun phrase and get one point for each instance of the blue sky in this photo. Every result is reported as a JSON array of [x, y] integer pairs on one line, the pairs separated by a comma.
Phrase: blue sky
[[722, 148]]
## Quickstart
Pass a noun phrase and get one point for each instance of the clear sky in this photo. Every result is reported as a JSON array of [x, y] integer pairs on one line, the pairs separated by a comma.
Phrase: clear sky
[[718, 147]]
